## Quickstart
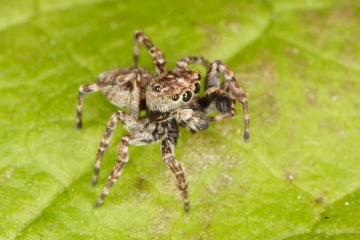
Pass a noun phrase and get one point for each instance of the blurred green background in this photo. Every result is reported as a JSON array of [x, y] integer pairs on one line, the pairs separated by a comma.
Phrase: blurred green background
[[298, 178]]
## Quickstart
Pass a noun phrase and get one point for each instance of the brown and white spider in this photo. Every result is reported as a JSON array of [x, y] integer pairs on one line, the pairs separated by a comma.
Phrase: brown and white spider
[[170, 100]]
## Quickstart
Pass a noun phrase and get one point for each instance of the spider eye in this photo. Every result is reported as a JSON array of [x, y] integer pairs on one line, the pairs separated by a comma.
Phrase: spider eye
[[197, 88], [175, 97], [157, 88], [187, 96]]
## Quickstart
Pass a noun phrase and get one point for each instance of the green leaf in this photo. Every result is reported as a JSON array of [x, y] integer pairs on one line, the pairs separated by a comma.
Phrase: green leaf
[[298, 178]]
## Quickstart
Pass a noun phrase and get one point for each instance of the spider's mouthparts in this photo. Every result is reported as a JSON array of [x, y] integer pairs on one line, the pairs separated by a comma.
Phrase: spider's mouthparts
[[158, 116]]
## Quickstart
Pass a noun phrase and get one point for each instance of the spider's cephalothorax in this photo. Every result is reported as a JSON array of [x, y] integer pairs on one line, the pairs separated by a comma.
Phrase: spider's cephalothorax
[[172, 91], [170, 100]]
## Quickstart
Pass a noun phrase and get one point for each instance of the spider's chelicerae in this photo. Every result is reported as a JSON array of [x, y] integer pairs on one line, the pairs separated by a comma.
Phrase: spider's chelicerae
[[170, 99]]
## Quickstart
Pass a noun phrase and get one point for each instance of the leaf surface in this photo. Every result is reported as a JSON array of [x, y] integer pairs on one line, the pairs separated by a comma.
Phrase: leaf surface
[[298, 178]]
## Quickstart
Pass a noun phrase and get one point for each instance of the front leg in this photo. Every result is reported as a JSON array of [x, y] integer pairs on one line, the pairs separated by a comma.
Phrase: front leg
[[219, 99], [231, 86], [167, 152]]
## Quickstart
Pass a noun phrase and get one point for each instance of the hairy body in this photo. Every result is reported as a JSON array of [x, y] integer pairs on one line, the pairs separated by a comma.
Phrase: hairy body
[[171, 101]]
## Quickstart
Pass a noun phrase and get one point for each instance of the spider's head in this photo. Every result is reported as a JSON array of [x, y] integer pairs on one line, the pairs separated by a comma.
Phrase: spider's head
[[172, 91]]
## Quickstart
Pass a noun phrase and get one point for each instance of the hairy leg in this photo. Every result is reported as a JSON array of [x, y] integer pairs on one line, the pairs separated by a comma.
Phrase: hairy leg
[[219, 99], [129, 123], [212, 80], [167, 151], [102, 84], [184, 61], [159, 60], [135, 138]]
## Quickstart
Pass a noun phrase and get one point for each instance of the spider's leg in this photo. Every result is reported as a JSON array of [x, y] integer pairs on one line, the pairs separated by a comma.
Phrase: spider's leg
[[83, 91], [133, 101], [167, 151], [159, 60], [129, 123], [134, 138], [102, 84], [212, 80], [221, 100], [184, 61]]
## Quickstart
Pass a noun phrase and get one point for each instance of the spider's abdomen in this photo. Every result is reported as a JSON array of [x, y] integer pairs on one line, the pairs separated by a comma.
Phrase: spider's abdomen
[[118, 93]]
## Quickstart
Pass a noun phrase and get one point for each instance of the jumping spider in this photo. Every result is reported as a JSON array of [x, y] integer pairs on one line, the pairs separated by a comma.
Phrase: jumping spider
[[170, 99]]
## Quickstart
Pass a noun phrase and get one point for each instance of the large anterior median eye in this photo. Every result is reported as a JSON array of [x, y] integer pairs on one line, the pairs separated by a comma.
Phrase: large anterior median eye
[[157, 88], [187, 96], [197, 87]]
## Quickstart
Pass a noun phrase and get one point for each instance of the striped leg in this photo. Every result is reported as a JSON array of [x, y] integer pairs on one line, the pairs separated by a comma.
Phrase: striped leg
[[129, 124], [117, 170], [222, 101], [159, 60], [133, 102], [83, 91], [184, 61], [95, 87], [167, 151], [231, 86], [138, 138]]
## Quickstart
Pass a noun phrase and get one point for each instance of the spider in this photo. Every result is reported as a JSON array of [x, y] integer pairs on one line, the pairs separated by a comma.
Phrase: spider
[[171, 101]]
